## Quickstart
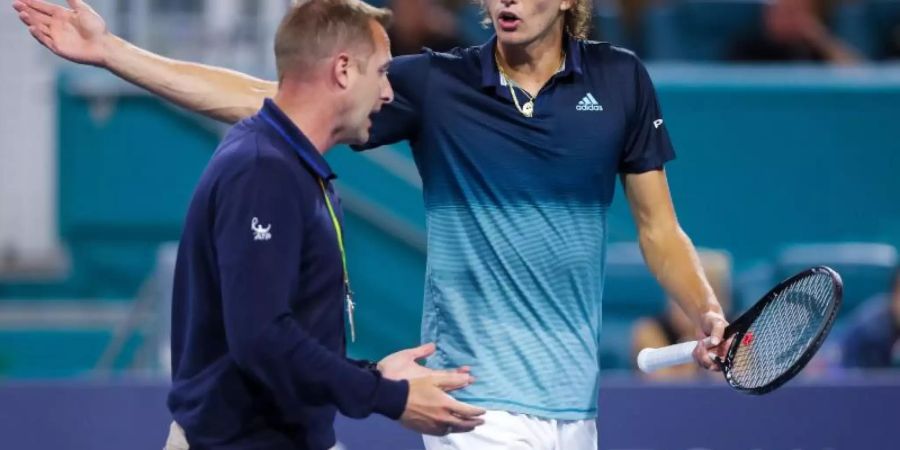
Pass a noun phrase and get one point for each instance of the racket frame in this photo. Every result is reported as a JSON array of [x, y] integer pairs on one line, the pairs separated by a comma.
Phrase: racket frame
[[738, 329]]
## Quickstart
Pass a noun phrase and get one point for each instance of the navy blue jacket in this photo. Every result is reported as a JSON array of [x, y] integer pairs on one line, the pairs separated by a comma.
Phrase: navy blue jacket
[[258, 306]]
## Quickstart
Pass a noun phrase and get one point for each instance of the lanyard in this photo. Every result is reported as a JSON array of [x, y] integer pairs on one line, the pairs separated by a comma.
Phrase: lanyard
[[337, 230], [340, 238], [348, 293]]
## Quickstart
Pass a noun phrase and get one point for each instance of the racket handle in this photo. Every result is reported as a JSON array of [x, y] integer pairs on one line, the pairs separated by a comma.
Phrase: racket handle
[[653, 359]]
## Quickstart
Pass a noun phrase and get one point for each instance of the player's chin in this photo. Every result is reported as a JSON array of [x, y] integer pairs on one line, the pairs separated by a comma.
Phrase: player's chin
[[513, 38]]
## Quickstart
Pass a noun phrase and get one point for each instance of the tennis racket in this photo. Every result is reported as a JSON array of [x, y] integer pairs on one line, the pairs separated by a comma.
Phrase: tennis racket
[[774, 339]]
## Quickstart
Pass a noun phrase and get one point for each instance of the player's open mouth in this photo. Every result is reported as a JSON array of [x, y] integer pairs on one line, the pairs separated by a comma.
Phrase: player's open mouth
[[508, 21]]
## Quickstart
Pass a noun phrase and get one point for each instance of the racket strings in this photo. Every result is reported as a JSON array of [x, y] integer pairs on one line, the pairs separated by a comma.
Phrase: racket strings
[[786, 327]]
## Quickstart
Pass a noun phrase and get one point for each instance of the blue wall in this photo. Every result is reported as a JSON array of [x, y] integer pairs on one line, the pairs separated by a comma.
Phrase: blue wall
[[769, 157], [836, 414]]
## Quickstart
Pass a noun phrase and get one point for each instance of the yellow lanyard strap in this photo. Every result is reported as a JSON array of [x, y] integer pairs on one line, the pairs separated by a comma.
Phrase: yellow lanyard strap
[[340, 237], [337, 230]]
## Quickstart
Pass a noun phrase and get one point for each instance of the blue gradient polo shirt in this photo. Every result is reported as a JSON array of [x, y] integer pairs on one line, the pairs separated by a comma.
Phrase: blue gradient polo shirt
[[516, 213]]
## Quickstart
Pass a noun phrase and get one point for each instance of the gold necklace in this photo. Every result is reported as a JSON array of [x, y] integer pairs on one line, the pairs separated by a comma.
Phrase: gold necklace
[[527, 109]]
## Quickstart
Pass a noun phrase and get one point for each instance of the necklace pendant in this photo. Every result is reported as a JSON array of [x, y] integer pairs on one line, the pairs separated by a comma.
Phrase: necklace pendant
[[528, 109]]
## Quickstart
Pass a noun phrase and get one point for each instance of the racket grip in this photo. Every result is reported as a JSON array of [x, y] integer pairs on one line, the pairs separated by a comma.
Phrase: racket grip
[[653, 359]]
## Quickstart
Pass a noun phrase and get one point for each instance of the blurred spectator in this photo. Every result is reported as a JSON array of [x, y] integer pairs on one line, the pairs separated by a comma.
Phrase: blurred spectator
[[893, 42], [794, 30], [873, 337], [672, 326], [632, 13], [422, 23]]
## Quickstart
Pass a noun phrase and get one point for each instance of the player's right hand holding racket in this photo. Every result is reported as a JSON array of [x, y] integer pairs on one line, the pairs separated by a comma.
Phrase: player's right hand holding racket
[[711, 342], [773, 340]]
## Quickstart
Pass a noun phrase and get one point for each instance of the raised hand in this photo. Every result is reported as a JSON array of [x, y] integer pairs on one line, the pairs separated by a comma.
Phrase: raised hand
[[77, 34]]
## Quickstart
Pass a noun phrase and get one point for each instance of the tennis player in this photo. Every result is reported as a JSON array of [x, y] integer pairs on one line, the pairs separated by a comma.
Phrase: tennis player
[[519, 143]]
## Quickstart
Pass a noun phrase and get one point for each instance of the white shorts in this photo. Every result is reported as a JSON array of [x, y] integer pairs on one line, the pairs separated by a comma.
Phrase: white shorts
[[510, 431], [176, 439]]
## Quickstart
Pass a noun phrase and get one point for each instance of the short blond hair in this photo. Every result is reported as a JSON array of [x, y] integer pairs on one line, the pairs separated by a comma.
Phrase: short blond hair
[[577, 21], [315, 29]]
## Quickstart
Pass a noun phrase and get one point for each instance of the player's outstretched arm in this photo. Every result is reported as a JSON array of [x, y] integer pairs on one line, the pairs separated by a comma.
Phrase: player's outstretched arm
[[80, 35]]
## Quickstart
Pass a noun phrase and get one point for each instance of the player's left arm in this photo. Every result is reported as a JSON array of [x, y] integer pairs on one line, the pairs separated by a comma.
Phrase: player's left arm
[[672, 258]]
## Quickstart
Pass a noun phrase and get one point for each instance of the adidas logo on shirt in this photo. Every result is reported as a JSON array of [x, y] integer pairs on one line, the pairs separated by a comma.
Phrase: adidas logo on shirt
[[589, 103]]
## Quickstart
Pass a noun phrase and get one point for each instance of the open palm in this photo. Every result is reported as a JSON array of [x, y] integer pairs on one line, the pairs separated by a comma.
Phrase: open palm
[[75, 34], [404, 365]]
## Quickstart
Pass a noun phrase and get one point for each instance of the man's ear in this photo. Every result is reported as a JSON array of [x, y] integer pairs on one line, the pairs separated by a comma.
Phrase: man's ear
[[341, 70]]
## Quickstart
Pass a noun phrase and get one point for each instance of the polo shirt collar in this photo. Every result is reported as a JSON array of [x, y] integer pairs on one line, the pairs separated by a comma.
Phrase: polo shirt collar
[[490, 76], [272, 115]]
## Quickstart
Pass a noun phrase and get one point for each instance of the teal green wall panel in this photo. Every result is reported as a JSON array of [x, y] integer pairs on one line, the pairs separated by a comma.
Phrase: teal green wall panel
[[765, 158]]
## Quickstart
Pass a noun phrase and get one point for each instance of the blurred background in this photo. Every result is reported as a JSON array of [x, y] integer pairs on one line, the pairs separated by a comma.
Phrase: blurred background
[[783, 112]]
